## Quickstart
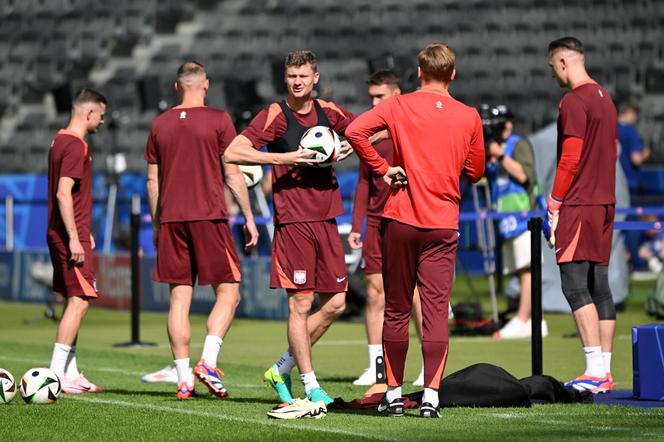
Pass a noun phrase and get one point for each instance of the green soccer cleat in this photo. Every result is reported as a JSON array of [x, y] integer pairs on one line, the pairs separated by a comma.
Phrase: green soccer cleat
[[318, 394], [280, 382]]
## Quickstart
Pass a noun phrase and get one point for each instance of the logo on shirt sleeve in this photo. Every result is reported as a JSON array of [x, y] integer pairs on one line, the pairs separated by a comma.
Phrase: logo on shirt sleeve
[[183, 115]]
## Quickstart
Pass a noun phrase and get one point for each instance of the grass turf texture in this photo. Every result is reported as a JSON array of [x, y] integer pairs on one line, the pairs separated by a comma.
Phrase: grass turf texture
[[131, 410]]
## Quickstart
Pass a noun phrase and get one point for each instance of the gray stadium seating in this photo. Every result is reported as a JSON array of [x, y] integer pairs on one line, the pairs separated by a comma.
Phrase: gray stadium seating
[[500, 45]]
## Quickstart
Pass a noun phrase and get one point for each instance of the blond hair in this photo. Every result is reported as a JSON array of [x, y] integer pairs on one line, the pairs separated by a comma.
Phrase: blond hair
[[436, 62]]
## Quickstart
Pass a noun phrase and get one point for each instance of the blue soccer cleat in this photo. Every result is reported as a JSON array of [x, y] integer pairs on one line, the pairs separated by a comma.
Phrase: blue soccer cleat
[[591, 384], [318, 394]]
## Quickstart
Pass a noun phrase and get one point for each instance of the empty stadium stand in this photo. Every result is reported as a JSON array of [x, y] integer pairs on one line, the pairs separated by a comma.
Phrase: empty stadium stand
[[56, 45]]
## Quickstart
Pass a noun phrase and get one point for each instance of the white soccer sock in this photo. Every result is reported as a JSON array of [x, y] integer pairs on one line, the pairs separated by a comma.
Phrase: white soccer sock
[[430, 396], [211, 349], [375, 350], [71, 367], [309, 381], [606, 357], [182, 368], [59, 359], [286, 363], [594, 362], [393, 393]]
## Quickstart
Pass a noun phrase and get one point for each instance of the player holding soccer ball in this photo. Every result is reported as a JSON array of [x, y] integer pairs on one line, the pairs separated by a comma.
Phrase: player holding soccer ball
[[192, 237], [370, 196], [581, 208], [436, 139], [69, 236], [307, 254]]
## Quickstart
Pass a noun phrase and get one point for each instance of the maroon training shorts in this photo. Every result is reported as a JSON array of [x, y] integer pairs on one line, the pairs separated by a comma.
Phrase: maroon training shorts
[[196, 249], [70, 279], [308, 256], [584, 233], [372, 256]]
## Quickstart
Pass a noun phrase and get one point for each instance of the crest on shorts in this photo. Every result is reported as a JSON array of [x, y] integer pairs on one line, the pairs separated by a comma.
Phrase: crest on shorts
[[300, 276]]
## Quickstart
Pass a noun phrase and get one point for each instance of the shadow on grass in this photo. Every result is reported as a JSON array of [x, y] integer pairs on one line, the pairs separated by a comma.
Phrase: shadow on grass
[[250, 400], [370, 412], [140, 392], [343, 379]]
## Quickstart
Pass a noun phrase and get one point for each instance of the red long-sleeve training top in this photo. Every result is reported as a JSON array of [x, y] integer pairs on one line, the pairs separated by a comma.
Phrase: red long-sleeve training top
[[436, 139]]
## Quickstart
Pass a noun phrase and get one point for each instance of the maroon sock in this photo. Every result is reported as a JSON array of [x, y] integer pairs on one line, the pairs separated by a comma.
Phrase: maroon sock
[[395, 361], [435, 357]]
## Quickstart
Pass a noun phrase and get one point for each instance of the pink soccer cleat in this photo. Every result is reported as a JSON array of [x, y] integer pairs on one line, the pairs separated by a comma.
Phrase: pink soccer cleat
[[79, 384], [186, 391], [211, 378]]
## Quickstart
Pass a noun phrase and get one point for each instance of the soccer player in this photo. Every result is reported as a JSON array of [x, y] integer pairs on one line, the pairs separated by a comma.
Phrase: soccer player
[[581, 208], [69, 236], [307, 253], [370, 197], [186, 177], [436, 139]]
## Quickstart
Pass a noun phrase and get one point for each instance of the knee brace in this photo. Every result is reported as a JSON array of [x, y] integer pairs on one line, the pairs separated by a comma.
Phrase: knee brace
[[601, 293], [574, 281]]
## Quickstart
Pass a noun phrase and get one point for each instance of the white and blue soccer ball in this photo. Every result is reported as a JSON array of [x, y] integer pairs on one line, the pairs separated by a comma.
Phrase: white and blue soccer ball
[[252, 174], [40, 386], [324, 141], [7, 386]]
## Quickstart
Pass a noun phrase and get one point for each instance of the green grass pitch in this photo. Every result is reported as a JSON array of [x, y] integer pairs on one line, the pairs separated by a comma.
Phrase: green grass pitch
[[131, 410]]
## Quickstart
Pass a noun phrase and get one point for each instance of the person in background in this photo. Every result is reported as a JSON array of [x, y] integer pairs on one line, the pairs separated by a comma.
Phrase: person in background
[[511, 172], [370, 196], [632, 152], [69, 235]]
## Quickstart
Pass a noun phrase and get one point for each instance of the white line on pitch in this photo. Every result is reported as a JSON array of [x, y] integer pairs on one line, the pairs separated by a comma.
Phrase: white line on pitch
[[102, 369], [272, 424]]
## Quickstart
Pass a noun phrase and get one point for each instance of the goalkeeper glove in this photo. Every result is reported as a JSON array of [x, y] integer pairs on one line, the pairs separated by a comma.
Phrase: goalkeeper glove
[[551, 221]]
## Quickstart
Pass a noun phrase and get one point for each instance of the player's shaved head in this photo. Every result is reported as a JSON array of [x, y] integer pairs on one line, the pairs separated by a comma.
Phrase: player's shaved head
[[569, 48], [301, 58], [436, 62], [86, 96], [191, 74], [88, 109], [570, 43]]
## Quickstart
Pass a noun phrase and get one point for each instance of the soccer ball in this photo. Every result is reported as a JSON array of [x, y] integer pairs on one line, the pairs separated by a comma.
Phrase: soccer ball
[[7, 386], [252, 175], [324, 141], [40, 386]]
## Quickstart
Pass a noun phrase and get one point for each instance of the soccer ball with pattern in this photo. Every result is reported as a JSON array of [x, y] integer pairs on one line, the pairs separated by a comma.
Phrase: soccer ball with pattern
[[40, 386], [252, 174], [7, 386], [324, 141]]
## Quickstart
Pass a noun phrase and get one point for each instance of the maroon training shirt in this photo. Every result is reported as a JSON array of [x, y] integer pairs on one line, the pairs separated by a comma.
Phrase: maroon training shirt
[[371, 191], [187, 144], [69, 157], [588, 112], [300, 196]]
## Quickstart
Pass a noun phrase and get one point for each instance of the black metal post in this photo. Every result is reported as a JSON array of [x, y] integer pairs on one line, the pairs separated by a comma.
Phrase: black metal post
[[535, 227], [135, 277], [135, 268]]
